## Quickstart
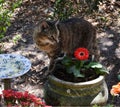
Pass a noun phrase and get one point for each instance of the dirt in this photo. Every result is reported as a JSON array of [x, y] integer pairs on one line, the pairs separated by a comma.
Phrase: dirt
[[61, 73], [23, 24]]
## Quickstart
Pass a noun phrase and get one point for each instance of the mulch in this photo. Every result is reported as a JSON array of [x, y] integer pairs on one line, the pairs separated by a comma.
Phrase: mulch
[[23, 23]]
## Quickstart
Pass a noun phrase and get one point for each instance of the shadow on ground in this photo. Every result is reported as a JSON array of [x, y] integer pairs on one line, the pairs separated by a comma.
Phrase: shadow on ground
[[110, 50], [24, 22]]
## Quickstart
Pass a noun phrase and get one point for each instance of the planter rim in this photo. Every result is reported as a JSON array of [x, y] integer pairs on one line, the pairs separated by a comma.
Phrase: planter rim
[[97, 80]]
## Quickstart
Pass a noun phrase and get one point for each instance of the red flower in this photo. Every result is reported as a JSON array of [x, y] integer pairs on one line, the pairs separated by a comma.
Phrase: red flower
[[22, 98], [18, 95], [8, 93], [36, 100], [25, 103], [26, 94], [9, 105], [81, 53]]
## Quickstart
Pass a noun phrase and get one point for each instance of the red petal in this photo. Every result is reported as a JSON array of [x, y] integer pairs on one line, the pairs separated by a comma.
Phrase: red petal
[[81, 53]]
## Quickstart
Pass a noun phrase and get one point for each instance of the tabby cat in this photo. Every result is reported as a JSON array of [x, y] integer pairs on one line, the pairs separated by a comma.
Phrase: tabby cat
[[65, 36]]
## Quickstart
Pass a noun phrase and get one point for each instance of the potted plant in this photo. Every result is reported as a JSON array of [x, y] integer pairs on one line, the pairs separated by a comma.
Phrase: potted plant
[[77, 81]]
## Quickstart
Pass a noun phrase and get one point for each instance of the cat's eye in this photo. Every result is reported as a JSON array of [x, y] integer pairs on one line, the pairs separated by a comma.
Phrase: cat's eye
[[52, 38], [46, 43], [40, 44], [43, 44]]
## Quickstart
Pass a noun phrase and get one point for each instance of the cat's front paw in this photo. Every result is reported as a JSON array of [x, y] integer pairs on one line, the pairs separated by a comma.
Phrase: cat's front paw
[[60, 57]]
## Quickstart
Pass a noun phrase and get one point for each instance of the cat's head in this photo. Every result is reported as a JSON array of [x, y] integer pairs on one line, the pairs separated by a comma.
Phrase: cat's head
[[46, 37]]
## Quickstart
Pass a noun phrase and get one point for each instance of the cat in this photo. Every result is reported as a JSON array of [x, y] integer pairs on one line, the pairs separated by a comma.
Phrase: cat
[[56, 37]]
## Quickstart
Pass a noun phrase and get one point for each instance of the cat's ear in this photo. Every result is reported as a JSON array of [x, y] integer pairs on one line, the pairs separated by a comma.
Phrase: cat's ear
[[44, 25]]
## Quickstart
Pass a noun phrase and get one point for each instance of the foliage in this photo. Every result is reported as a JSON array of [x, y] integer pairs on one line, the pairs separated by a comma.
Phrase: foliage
[[16, 38], [108, 105], [63, 9], [7, 8], [93, 4], [81, 63], [18, 99], [1, 46]]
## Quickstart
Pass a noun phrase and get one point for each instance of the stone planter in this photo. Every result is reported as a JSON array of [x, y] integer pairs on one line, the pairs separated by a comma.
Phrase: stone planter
[[61, 93]]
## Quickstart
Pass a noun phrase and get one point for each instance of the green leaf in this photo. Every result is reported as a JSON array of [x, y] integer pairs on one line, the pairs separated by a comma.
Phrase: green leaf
[[71, 69], [104, 71], [101, 71], [75, 71], [67, 61], [118, 77], [94, 65]]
